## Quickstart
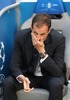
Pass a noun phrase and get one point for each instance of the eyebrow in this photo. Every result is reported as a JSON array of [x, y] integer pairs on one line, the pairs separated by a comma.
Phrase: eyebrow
[[37, 32]]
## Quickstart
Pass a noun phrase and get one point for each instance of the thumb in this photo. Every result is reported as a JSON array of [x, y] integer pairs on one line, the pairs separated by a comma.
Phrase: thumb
[[27, 80]]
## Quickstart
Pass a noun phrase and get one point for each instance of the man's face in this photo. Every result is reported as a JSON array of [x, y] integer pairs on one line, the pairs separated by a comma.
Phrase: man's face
[[40, 33]]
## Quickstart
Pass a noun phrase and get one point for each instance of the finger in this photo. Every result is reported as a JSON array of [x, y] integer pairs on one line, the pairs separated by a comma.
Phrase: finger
[[27, 80], [34, 37], [36, 41], [33, 41], [26, 83], [40, 43]]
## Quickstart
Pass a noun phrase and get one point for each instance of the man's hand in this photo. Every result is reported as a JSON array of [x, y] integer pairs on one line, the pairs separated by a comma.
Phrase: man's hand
[[38, 44], [26, 83]]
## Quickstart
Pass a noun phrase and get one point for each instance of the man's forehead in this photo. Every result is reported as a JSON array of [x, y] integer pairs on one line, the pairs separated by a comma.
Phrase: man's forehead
[[40, 30]]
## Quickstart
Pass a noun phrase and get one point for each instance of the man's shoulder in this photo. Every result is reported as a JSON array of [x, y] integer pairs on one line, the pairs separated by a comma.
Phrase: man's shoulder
[[23, 32], [56, 34]]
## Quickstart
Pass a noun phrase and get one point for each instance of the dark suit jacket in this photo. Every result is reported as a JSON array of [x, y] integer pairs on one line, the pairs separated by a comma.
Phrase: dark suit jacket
[[23, 52]]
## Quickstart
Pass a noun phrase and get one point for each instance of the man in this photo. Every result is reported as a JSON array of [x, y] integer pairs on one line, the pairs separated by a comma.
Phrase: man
[[37, 61]]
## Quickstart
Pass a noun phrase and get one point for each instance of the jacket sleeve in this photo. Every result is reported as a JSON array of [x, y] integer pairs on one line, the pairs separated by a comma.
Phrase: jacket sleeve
[[16, 61], [54, 65]]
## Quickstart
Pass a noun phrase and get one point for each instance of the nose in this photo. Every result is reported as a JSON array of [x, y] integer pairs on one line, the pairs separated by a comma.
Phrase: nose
[[39, 37]]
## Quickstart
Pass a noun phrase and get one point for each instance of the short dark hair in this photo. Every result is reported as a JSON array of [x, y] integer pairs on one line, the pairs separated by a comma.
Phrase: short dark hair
[[41, 19]]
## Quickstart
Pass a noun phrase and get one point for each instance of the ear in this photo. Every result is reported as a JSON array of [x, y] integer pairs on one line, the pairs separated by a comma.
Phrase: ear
[[31, 27], [49, 30]]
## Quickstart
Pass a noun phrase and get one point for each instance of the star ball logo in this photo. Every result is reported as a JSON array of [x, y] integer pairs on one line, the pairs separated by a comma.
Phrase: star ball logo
[[2, 60], [2, 77], [2, 55]]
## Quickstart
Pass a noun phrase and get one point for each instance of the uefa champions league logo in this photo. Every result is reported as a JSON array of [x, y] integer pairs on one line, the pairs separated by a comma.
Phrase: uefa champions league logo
[[2, 60], [2, 77], [2, 55]]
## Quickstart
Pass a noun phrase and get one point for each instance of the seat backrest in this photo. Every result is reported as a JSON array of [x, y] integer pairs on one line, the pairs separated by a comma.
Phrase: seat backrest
[[49, 6]]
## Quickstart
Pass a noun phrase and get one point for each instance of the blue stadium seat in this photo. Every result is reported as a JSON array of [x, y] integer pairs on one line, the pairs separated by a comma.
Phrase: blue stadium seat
[[55, 7], [49, 7], [4, 3]]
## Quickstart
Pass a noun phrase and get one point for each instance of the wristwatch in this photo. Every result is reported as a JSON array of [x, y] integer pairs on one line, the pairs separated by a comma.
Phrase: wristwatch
[[42, 55]]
